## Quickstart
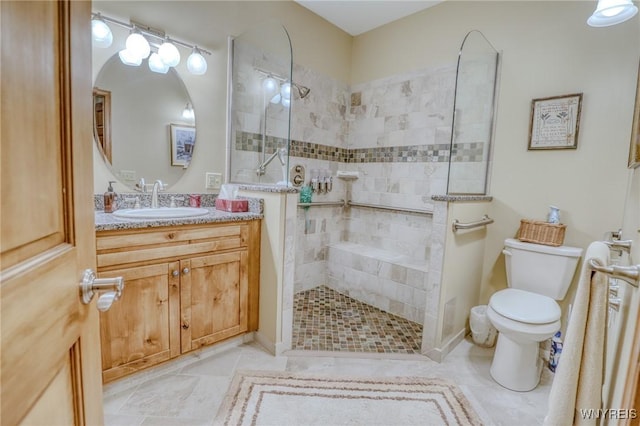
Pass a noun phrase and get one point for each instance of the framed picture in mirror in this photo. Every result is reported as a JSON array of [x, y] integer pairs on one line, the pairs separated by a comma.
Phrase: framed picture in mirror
[[183, 139], [634, 147]]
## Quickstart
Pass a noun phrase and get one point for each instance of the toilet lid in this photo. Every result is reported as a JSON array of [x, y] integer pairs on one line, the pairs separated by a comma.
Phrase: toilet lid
[[524, 306]]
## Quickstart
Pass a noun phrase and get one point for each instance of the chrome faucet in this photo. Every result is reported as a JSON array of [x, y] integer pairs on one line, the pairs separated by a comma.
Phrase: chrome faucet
[[141, 185], [157, 186]]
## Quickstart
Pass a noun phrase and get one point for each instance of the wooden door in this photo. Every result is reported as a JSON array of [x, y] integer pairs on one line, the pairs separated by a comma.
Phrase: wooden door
[[50, 364], [213, 298], [142, 328]]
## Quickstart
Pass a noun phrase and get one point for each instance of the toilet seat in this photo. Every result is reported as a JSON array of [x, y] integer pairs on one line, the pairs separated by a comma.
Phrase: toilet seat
[[524, 306]]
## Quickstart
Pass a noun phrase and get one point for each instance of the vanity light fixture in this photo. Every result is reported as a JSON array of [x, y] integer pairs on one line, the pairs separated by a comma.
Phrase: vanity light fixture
[[140, 42], [196, 64], [270, 85], [100, 32], [137, 44], [612, 12], [129, 58], [169, 53], [188, 113], [156, 64]]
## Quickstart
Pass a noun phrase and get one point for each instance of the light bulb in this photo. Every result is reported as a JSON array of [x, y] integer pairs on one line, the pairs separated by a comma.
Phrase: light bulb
[[169, 54], [270, 85], [156, 64], [276, 99], [129, 58], [285, 91], [100, 32], [196, 64], [286, 102], [137, 44], [188, 112]]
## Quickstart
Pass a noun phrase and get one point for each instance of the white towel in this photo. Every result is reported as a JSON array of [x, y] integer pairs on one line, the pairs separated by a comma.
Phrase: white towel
[[578, 380]]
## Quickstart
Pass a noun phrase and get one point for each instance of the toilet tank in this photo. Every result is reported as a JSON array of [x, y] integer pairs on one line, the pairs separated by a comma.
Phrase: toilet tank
[[540, 269]]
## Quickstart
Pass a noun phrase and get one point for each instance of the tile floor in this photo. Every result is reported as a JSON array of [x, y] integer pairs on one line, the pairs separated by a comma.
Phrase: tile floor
[[325, 320], [189, 390]]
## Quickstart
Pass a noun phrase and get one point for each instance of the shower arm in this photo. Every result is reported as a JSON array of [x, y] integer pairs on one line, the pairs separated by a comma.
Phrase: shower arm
[[261, 170]]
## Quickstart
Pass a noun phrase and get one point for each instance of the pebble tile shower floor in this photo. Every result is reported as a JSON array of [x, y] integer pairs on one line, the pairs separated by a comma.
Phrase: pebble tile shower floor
[[325, 320]]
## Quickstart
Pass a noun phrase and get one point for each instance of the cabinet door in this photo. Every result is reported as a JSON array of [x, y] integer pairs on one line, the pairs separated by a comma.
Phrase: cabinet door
[[213, 298], [142, 328]]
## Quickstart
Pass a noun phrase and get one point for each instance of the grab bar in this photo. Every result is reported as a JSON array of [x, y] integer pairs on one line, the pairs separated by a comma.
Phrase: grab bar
[[382, 207], [622, 245], [630, 274], [486, 220], [340, 203]]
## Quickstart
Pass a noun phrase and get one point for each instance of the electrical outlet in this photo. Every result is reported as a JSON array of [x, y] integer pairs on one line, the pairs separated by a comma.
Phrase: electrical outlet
[[128, 175], [213, 180]]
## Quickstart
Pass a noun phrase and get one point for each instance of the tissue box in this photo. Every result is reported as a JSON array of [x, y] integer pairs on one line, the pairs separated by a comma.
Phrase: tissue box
[[232, 205]]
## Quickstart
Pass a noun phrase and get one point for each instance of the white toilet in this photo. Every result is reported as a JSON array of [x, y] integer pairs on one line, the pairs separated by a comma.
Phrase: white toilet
[[526, 313]]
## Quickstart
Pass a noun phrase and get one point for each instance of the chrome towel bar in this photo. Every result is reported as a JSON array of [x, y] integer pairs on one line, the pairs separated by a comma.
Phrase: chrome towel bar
[[340, 203], [630, 274], [397, 209], [486, 220]]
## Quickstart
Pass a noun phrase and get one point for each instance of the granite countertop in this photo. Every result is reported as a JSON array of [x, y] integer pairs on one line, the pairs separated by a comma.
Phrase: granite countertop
[[109, 222], [461, 198]]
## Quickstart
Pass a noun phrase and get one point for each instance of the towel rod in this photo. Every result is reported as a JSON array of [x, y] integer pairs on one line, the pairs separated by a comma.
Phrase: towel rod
[[622, 245], [486, 220], [323, 203], [630, 274], [397, 209]]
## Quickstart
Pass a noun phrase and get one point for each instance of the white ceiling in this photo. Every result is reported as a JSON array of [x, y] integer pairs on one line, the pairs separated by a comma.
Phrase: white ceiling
[[359, 16]]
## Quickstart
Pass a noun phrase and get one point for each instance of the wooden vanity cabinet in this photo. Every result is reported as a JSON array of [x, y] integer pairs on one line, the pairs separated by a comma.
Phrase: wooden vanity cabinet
[[185, 287]]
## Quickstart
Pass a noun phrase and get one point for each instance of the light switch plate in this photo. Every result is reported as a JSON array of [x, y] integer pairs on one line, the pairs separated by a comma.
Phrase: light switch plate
[[213, 180]]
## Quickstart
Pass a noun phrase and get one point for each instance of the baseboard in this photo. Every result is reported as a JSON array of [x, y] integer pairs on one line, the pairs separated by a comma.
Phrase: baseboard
[[438, 354], [265, 342]]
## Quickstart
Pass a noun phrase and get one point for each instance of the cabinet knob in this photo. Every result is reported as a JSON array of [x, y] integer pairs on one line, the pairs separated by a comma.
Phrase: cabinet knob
[[175, 273], [185, 271]]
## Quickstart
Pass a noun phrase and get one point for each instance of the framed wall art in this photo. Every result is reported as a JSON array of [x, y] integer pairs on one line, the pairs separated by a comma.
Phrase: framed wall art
[[555, 122], [634, 147], [183, 139]]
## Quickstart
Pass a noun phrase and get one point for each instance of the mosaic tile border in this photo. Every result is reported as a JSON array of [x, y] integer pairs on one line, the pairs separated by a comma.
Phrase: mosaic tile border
[[465, 152]]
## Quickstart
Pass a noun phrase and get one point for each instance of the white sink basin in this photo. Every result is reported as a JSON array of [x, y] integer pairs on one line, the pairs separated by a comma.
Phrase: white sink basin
[[161, 213]]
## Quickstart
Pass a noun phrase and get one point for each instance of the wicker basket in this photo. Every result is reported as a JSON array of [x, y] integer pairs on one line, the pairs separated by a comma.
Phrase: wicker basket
[[549, 234]]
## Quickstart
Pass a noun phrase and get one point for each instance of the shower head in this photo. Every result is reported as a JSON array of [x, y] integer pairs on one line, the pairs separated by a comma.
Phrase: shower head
[[303, 91], [282, 155]]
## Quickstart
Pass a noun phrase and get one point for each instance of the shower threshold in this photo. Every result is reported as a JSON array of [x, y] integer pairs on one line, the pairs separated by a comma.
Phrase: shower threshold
[[325, 320]]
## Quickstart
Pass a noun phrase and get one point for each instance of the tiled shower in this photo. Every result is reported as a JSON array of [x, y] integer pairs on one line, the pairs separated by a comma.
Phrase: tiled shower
[[394, 134]]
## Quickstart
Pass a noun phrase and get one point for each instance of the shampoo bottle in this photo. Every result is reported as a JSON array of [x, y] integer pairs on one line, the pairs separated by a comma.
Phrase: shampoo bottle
[[110, 198]]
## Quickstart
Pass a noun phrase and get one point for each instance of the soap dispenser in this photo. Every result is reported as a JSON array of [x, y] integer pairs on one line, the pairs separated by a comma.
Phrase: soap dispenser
[[110, 198]]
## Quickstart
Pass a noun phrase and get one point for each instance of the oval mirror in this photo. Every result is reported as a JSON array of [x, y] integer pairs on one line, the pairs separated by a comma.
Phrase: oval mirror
[[140, 125]]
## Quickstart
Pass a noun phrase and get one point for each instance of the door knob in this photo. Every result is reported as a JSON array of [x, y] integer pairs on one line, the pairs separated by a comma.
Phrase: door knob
[[110, 287]]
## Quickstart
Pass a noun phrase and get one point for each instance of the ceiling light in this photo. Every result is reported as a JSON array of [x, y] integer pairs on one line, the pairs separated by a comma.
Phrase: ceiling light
[[156, 64], [129, 58], [612, 12], [169, 53], [196, 64], [100, 32], [137, 44]]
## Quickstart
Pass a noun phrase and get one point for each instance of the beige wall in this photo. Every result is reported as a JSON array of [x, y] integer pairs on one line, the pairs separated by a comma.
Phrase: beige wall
[[547, 49], [316, 44], [461, 271]]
